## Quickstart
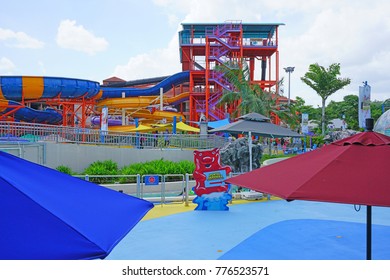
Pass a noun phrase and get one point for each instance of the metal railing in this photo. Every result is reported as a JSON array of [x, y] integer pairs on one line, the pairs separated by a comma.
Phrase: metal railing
[[26, 132], [164, 191], [168, 188]]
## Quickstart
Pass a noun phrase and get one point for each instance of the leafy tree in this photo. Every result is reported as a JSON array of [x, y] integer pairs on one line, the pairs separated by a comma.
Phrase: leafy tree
[[346, 109], [376, 109], [325, 82], [351, 111], [300, 107], [250, 97], [333, 110]]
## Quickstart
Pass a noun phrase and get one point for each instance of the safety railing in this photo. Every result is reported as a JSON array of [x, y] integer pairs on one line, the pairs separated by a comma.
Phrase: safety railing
[[223, 29], [156, 188], [25, 132]]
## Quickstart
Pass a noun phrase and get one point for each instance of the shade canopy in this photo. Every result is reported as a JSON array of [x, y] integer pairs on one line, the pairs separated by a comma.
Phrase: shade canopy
[[353, 170], [257, 124], [216, 124], [46, 214], [181, 126], [142, 128]]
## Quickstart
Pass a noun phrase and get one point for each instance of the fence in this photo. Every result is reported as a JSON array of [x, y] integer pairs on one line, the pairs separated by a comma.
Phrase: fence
[[25, 132], [167, 188]]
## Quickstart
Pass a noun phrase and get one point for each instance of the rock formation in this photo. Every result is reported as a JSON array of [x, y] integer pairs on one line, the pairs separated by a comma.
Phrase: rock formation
[[236, 155], [338, 135]]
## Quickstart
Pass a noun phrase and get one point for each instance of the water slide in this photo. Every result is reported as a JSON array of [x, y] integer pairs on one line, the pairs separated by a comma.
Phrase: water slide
[[14, 89], [27, 114], [139, 98], [135, 106], [166, 84], [142, 101]]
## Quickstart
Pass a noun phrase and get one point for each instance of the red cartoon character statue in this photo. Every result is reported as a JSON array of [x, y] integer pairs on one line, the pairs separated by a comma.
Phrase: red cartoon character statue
[[211, 190]]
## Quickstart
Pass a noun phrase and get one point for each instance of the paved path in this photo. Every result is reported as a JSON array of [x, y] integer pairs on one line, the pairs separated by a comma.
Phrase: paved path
[[273, 229]]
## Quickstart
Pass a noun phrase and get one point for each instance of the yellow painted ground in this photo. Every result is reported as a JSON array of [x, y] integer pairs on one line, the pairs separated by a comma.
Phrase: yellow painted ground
[[162, 210]]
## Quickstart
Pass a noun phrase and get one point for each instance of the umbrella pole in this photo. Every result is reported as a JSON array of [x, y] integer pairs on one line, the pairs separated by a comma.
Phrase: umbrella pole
[[369, 232], [250, 149]]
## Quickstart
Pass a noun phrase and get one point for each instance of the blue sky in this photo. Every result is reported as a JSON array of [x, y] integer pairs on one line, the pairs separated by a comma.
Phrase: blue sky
[[138, 39]]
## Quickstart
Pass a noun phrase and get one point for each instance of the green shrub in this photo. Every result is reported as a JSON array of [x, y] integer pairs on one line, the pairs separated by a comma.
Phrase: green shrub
[[65, 169], [160, 166], [186, 166], [318, 140], [264, 157], [107, 167]]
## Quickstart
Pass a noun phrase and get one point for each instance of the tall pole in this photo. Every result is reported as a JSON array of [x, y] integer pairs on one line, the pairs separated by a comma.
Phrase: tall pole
[[369, 127], [289, 70], [289, 88], [161, 99], [123, 110], [250, 149], [369, 232]]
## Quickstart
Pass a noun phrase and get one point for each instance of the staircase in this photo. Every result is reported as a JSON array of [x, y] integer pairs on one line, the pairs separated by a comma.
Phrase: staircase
[[223, 41]]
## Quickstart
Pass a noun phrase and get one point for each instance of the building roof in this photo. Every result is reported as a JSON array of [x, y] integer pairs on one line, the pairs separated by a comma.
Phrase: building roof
[[250, 30], [113, 80], [140, 82]]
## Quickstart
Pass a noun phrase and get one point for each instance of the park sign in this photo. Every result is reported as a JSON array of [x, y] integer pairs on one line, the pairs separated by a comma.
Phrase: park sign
[[152, 180], [364, 104]]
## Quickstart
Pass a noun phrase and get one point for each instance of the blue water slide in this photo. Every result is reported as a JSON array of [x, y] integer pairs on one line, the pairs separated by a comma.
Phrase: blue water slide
[[166, 84], [12, 87], [28, 114], [69, 88]]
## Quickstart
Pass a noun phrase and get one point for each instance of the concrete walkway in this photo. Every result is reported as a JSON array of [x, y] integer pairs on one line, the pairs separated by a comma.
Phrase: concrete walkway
[[271, 229]]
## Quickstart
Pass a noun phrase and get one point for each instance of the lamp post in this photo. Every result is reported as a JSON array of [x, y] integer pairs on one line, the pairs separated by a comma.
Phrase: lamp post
[[289, 70]]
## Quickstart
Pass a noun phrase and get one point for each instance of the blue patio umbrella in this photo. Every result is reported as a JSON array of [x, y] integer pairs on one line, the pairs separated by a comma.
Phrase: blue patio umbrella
[[46, 214]]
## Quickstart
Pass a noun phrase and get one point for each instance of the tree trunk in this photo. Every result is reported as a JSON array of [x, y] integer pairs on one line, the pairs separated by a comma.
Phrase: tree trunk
[[323, 117]]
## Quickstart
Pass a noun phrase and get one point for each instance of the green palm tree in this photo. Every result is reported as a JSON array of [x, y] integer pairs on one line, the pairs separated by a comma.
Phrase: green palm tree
[[251, 96], [325, 82]]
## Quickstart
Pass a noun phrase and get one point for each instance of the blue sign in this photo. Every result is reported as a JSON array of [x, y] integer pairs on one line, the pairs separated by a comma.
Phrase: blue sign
[[152, 180], [214, 178]]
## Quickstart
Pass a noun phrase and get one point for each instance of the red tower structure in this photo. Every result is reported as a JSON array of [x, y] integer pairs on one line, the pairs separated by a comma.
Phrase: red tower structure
[[203, 46]]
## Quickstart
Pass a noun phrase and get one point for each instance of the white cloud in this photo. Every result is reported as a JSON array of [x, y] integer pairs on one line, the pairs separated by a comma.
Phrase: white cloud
[[76, 37], [159, 62], [166, 61], [42, 67], [214, 11], [7, 67], [19, 39], [355, 34]]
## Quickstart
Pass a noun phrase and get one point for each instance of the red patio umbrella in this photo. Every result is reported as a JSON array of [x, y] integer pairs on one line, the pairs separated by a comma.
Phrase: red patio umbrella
[[353, 170]]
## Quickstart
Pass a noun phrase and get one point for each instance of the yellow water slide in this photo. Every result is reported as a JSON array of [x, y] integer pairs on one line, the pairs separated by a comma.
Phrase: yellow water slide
[[136, 106]]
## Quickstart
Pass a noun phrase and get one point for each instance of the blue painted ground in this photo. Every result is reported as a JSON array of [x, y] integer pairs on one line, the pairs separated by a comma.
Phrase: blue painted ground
[[312, 239], [275, 230]]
